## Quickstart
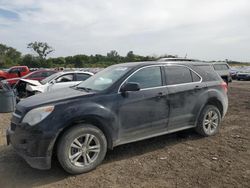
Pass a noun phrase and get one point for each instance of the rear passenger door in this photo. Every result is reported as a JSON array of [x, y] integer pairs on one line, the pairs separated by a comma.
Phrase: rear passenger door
[[184, 87]]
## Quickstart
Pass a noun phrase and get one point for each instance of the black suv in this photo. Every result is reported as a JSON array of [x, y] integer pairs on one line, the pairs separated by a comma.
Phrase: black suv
[[123, 103]]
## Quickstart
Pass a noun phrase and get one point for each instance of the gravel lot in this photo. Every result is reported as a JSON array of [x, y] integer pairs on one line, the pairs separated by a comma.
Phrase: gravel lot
[[176, 160]]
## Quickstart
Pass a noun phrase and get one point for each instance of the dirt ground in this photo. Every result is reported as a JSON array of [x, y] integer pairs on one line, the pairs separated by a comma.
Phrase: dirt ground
[[177, 160]]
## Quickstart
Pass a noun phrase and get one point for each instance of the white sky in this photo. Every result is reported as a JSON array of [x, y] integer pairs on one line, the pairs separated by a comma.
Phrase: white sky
[[203, 29]]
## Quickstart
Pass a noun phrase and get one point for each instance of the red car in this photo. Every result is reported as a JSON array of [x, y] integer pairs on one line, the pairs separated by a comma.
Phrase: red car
[[14, 72], [36, 75]]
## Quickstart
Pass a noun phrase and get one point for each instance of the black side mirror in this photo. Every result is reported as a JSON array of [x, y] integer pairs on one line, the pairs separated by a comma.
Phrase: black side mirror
[[130, 86]]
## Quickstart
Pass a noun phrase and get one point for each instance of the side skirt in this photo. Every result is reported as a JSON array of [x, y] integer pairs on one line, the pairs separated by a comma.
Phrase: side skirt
[[121, 142]]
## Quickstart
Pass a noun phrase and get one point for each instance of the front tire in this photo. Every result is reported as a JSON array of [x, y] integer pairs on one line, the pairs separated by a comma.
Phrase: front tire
[[81, 149], [209, 121]]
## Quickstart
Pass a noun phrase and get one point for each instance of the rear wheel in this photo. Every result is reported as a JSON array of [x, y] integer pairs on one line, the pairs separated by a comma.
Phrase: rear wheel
[[209, 121], [81, 149]]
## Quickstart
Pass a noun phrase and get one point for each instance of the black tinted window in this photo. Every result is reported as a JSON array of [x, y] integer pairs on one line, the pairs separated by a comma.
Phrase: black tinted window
[[209, 72], [82, 76], [147, 77], [177, 75]]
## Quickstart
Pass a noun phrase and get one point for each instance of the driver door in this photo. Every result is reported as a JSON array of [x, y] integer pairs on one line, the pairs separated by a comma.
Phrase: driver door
[[144, 112]]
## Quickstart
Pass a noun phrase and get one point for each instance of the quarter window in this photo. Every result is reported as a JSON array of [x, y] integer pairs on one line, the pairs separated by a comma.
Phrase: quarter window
[[178, 75], [147, 77]]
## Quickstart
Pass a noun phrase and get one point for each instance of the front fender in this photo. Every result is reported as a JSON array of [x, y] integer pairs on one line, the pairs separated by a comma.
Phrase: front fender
[[103, 117]]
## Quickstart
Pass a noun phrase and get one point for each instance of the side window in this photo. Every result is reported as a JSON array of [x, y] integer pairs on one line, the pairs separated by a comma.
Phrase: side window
[[147, 77], [22, 69], [13, 71], [178, 75], [65, 78], [82, 76]]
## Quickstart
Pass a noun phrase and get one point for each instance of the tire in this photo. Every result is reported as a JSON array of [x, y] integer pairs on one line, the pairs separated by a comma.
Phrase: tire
[[209, 121], [68, 147], [1, 78]]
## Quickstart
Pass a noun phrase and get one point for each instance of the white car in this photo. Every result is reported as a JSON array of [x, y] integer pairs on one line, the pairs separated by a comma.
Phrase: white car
[[56, 81]]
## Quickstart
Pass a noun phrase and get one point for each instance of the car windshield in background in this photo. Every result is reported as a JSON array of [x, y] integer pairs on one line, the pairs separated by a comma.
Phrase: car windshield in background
[[51, 77], [104, 79]]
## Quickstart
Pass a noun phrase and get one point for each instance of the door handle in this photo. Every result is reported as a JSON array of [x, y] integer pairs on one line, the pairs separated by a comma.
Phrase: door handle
[[161, 95], [197, 87]]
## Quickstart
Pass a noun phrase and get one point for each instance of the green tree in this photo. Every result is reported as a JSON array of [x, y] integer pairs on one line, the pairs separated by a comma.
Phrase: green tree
[[31, 61], [41, 48], [113, 56], [8, 56]]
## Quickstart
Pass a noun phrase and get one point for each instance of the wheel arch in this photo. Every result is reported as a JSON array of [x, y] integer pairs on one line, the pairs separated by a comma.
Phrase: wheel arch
[[90, 119], [211, 101]]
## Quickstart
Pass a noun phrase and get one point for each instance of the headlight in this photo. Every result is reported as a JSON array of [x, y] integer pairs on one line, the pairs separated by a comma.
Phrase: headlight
[[36, 115]]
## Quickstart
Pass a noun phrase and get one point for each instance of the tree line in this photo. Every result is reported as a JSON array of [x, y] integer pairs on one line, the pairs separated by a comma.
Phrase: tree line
[[10, 57]]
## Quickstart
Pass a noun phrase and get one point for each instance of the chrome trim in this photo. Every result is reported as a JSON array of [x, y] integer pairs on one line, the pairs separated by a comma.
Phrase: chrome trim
[[173, 85], [16, 115]]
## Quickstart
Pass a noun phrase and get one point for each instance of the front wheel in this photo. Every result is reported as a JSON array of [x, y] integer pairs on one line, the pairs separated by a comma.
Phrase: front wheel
[[81, 148], [209, 121]]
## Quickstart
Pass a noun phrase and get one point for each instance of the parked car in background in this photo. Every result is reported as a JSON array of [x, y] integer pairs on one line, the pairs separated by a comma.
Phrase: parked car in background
[[223, 69], [233, 73], [243, 75], [123, 103], [14, 72], [36, 75], [58, 80]]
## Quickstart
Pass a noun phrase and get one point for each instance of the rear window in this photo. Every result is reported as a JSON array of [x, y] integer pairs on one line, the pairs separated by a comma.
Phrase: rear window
[[180, 75], [221, 67]]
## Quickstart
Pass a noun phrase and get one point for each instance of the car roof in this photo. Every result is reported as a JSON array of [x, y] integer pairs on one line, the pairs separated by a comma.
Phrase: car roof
[[146, 63]]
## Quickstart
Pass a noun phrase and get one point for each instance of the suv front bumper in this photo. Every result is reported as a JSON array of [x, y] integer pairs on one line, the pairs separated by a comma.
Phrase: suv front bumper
[[34, 147]]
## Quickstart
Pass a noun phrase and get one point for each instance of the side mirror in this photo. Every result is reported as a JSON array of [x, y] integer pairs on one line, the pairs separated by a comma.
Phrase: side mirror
[[53, 82], [130, 86]]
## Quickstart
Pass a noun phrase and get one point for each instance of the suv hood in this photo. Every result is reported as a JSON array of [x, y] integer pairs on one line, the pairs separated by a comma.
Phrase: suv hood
[[52, 97]]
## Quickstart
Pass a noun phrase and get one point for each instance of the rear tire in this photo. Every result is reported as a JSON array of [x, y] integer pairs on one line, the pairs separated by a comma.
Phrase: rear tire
[[81, 149], [209, 121]]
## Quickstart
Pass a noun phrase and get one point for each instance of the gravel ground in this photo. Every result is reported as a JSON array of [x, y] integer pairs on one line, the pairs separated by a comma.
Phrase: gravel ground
[[176, 160]]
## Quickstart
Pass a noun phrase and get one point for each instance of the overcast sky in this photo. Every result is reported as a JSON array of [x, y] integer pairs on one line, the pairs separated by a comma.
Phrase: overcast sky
[[203, 29]]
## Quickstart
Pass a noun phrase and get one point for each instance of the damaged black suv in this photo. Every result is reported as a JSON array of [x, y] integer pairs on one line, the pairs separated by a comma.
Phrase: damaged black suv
[[123, 103]]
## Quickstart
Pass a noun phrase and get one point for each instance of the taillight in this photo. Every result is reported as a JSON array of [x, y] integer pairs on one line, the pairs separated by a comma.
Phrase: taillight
[[224, 86]]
